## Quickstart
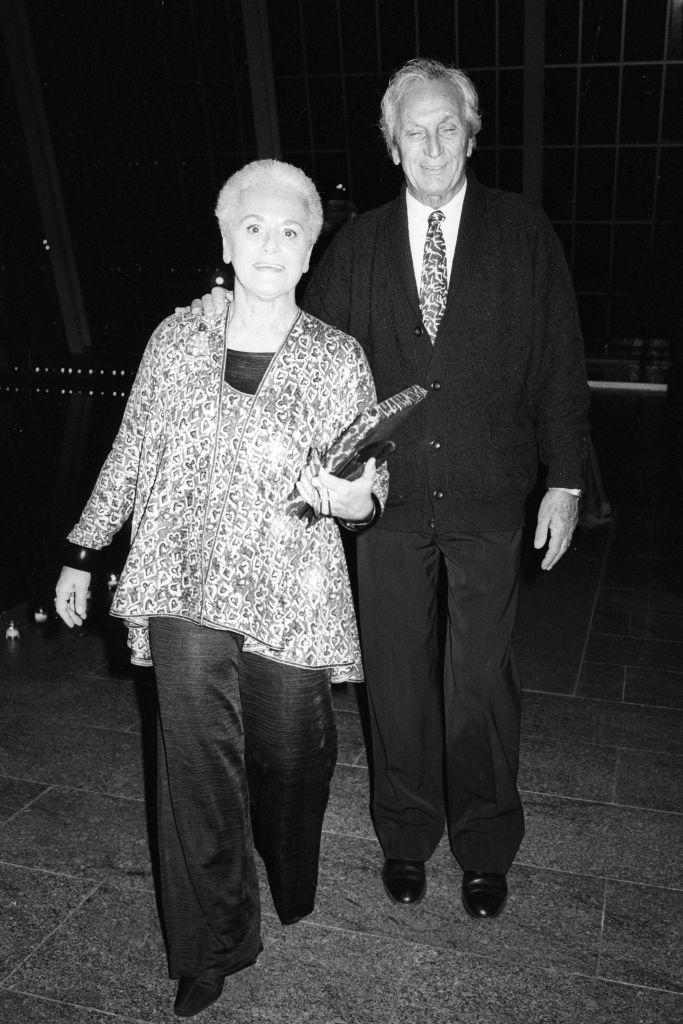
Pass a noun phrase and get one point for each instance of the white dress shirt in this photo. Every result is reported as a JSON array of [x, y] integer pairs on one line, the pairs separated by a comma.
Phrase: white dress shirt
[[418, 222]]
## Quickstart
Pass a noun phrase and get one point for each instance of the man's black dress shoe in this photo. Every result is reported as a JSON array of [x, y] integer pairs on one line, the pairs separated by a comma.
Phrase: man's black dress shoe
[[483, 894], [404, 880], [195, 993]]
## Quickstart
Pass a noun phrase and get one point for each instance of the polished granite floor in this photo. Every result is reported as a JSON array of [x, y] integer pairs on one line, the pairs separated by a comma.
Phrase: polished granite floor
[[591, 934]]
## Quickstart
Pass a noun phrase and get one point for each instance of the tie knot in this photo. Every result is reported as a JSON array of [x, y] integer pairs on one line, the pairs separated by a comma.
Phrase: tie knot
[[436, 217]]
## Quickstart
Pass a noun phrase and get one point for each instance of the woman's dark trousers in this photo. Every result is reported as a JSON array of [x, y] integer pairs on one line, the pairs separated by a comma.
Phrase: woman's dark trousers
[[247, 748]]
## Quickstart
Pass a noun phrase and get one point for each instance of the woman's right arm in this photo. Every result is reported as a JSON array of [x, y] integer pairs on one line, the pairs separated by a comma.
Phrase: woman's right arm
[[113, 496]]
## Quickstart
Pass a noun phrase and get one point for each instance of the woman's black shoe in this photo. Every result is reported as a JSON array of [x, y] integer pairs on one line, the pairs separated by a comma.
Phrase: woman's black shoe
[[195, 993]]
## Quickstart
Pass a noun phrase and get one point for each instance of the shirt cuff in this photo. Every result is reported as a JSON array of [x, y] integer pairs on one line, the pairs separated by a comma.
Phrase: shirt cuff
[[568, 490]]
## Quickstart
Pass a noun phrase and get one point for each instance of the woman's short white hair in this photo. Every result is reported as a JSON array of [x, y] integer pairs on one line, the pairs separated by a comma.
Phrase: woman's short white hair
[[423, 70], [270, 175]]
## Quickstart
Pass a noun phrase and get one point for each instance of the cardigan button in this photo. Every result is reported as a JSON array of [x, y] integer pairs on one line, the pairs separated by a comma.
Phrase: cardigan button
[[418, 332], [435, 444], [435, 385], [438, 494]]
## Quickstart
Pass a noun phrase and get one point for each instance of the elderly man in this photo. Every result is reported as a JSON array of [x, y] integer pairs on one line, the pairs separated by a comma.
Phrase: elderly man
[[464, 289]]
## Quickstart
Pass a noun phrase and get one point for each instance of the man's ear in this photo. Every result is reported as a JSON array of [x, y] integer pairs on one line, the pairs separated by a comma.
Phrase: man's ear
[[470, 147], [308, 260], [395, 155], [226, 250]]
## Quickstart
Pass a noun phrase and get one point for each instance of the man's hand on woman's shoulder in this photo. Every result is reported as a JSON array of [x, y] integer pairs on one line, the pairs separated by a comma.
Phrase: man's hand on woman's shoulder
[[208, 305]]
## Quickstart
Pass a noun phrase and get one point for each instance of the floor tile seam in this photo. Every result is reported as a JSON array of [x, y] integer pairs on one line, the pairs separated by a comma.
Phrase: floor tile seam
[[353, 764], [615, 774], [636, 985], [596, 593], [610, 664], [599, 803], [95, 792], [603, 918], [48, 787], [602, 876], [575, 745], [553, 970], [625, 748], [77, 1006], [605, 700], [36, 869], [47, 937], [93, 727], [634, 636], [608, 803]]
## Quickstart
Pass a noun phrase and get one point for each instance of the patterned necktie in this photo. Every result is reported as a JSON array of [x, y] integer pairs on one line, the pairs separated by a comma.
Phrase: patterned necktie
[[434, 279]]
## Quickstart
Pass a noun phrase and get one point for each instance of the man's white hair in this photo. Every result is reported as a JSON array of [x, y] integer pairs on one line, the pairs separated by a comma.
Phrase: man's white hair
[[271, 175], [423, 70]]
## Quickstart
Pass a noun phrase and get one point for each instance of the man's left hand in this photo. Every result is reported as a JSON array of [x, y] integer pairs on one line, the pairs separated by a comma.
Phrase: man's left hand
[[557, 519]]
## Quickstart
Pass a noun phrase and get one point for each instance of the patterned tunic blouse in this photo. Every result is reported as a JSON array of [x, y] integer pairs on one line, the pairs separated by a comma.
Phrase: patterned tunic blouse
[[207, 473]]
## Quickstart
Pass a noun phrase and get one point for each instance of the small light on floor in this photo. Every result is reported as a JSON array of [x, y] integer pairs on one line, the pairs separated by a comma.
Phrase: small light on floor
[[40, 615], [11, 633]]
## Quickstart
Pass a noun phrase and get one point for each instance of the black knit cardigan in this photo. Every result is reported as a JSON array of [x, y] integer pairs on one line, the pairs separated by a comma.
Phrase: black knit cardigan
[[506, 376]]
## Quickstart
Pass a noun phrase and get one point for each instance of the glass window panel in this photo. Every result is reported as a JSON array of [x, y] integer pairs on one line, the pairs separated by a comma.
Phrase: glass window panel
[[558, 183], [564, 232], [363, 96], [511, 33], [374, 181], [436, 23], [631, 246], [485, 83], [645, 24], [601, 40], [594, 184], [591, 257], [359, 36], [511, 108], [397, 33], [672, 127], [303, 159], [562, 32], [640, 104], [510, 169], [559, 106], [624, 322], [477, 33], [669, 200], [598, 104], [483, 163], [292, 110], [635, 184], [331, 171], [327, 112], [286, 41], [593, 315], [320, 35]]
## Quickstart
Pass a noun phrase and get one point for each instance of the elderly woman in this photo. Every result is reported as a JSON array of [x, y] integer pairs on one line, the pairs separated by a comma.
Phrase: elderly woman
[[243, 607]]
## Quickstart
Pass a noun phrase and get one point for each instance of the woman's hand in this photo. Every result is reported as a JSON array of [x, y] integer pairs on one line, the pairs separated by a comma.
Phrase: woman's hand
[[330, 495], [71, 595]]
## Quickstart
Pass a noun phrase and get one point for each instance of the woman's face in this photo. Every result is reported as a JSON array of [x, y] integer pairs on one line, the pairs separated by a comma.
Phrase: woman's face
[[267, 243]]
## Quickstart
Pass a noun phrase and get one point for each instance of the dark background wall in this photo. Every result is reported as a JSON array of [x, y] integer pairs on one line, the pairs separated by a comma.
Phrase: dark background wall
[[147, 107]]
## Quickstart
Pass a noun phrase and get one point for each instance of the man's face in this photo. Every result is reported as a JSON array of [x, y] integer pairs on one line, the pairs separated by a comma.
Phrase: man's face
[[432, 142]]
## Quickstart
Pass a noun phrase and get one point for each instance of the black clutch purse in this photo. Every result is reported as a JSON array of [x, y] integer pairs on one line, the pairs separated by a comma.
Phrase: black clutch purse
[[370, 435]]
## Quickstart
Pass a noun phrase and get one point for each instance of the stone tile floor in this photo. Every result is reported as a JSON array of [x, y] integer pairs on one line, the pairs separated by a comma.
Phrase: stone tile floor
[[591, 934]]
